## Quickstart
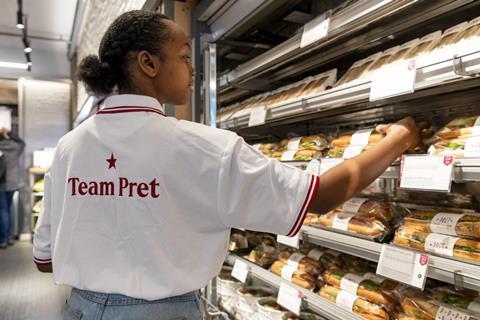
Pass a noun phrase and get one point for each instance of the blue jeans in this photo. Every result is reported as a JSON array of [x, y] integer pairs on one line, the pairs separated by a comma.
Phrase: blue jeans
[[6, 198], [88, 305]]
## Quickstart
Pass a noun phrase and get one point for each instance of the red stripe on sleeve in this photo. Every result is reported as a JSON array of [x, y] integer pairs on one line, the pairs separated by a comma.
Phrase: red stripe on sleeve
[[312, 189]]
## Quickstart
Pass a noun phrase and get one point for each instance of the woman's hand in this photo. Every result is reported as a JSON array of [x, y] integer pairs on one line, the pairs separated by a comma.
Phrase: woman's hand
[[407, 131]]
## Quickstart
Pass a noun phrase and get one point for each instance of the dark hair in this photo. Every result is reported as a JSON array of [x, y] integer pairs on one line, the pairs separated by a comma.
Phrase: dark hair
[[131, 32]]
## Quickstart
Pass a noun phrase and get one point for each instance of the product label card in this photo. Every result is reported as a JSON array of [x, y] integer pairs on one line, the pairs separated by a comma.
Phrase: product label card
[[476, 129], [316, 254], [346, 300], [361, 137], [287, 272], [295, 259], [341, 220], [289, 241], [240, 270], [353, 205], [316, 29], [472, 146], [393, 80], [445, 223], [352, 151], [288, 156], [257, 116], [350, 282], [426, 172], [450, 314], [313, 167], [290, 298], [441, 244], [327, 164], [293, 144], [403, 265]]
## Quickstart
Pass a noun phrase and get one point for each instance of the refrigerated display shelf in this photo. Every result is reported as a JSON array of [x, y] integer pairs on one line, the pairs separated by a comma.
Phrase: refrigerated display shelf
[[429, 76], [311, 301], [461, 274]]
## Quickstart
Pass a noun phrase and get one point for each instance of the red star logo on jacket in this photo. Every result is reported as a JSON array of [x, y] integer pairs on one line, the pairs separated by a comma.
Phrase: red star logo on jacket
[[111, 162]]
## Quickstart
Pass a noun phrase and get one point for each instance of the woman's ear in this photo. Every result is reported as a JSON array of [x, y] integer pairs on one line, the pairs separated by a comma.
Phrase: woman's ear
[[148, 64]]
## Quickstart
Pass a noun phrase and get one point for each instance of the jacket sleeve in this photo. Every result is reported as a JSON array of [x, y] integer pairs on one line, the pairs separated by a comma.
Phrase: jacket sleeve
[[42, 237]]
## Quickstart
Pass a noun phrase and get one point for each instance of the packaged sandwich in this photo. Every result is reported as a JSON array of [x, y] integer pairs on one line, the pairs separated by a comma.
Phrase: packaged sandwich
[[294, 275], [237, 241], [327, 258], [402, 52], [463, 249], [346, 140], [353, 303], [356, 284], [357, 69], [265, 253], [354, 264], [449, 38], [311, 218], [314, 142], [380, 62], [367, 226], [300, 262], [465, 225], [451, 147], [424, 46], [463, 127], [368, 207], [457, 299]]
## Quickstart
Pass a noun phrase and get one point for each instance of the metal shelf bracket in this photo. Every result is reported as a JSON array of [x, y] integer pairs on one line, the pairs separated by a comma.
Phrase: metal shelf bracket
[[460, 70]]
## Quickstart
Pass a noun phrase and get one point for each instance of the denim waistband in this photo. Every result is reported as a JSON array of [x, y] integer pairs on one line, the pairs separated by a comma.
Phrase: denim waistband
[[120, 299]]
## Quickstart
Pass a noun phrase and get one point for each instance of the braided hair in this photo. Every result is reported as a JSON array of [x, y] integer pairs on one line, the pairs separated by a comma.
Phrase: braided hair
[[130, 33]]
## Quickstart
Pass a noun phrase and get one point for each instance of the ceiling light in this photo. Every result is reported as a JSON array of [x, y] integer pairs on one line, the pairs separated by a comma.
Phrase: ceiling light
[[27, 49], [14, 65], [20, 24]]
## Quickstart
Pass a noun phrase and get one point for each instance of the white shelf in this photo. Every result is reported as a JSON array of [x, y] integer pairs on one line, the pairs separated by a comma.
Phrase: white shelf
[[312, 301], [448, 270], [38, 194]]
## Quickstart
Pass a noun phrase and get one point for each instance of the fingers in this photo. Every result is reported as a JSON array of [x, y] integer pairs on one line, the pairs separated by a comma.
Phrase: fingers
[[382, 128], [423, 125]]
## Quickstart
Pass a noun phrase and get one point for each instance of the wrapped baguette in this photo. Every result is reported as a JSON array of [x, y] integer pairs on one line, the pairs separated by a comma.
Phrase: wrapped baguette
[[457, 128], [465, 225], [371, 208], [364, 288], [303, 279], [464, 249], [367, 226], [360, 306], [454, 147], [344, 141], [305, 263], [457, 300]]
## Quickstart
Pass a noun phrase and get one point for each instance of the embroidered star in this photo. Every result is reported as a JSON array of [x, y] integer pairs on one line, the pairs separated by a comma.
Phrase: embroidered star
[[111, 162]]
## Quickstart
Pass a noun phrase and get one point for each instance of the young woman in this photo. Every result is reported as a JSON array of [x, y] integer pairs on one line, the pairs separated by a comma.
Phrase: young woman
[[138, 206]]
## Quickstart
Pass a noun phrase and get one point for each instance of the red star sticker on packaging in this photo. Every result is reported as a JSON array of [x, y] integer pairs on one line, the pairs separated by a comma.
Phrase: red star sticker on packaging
[[111, 162]]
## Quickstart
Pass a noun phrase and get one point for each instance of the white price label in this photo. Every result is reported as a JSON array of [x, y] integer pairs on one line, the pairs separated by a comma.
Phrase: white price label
[[295, 259], [403, 265], [290, 298], [477, 122], [316, 254], [287, 272], [350, 282], [450, 314], [293, 144], [361, 137], [346, 300], [289, 241], [445, 223], [441, 244], [341, 220], [257, 116], [316, 29], [476, 128], [313, 167], [393, 80], [352, 151], [327, 164], [426, 172], [240, 270], [472, 147], [353, 205], [288, 156]]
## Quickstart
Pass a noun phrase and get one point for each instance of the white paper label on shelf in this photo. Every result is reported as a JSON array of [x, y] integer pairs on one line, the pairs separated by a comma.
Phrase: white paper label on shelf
[[353, 205], [474, 306], [316, 254], [341, 220], [373, 277], [257, 116], [472, 146], [313, 167], [294, 259], [316, 29], [445, 223], [327, 164], [477, 122], [289, 241], [361, 137], [393, 80], [350, 282], [290, 298], [440, 243], [333, 253], [346, 300], [240, 270], [450, 314], [403, 265], [426, 172], [287, 272], [352, 151], [294, 143], [288, 156], [476, 128]]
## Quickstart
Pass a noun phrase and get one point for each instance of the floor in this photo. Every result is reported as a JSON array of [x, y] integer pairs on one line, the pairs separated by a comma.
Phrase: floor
[[25, 293]]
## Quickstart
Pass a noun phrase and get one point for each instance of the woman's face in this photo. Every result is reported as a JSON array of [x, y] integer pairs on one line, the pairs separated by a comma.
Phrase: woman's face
[[174, 81]]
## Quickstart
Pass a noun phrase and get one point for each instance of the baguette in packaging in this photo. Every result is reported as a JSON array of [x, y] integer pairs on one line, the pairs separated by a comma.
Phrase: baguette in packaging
[[345, 140], [463, 249], [294, 275], [457, 299], [462, 127], [265, 253], [368, 207], [363, 225], [301, 262], [357, 69], [327, 258]]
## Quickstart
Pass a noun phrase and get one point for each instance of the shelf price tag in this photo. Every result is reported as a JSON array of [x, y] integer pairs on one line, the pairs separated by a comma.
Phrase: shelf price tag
[[313, 167], [316, 29], [257, 116], [433, 173], [288, 156], [472, 147], [444, 313], [403, 265], [327, 164], [240, 270], [289, 241], [393, 80], [290, 298]]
